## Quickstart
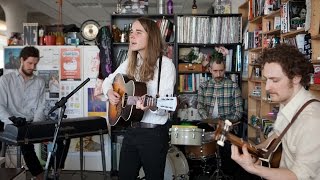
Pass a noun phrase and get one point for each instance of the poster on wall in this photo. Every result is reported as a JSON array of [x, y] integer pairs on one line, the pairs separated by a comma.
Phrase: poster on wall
[[11, 58], [70, 64], [96, 107], [49, 58], [74, 103], [91, 62]]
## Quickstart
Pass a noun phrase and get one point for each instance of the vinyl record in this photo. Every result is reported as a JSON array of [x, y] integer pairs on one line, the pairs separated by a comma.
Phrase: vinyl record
[[89, 30]]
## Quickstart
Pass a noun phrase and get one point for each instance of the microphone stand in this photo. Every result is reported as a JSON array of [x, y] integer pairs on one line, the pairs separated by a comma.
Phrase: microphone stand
[[60, 104]]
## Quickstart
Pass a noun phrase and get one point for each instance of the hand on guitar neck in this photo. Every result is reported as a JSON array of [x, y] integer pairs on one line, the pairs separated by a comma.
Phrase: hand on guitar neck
[[270, 156], [146, 102]]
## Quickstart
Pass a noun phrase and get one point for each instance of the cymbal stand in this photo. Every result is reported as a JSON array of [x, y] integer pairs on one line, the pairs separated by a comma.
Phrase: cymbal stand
[[218, 173]]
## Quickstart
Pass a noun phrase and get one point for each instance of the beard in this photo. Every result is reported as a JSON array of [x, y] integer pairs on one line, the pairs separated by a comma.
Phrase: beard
[[27, 72], [218, 79]]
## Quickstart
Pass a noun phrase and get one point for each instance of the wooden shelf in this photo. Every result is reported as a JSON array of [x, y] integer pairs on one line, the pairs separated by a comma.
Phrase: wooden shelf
[[255, 97], [273, 14], [293, 33], [315, 61], [269, 102], [258, 49], [256, 20], [272, 32], [256, 79], [315, 37], [315, 87]]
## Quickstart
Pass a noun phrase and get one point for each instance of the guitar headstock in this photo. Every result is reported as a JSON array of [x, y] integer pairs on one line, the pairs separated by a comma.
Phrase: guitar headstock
[[222, 129], [167, 103]]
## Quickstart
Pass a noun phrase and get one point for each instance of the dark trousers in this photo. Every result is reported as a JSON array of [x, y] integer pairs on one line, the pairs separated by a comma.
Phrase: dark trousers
[[146, 147], [33, 162]]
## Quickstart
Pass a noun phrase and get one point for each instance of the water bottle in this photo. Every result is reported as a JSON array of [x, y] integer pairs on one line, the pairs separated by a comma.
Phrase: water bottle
[[170, 7]]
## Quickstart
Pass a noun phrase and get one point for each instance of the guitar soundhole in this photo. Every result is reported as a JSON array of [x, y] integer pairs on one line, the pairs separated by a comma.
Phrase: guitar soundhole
[[124, 100]]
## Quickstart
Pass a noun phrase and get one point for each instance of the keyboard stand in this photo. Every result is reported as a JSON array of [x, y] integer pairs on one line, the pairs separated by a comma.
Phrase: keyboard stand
[[103, 157]]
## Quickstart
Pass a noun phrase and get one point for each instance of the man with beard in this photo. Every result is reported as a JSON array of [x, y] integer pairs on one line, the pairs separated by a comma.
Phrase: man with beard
[[22, 95], [287, 73], [219, 97]]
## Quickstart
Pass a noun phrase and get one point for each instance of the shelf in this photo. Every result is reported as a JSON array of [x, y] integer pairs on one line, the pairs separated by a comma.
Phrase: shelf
[[254, 64], [315, 37], [272, 32], [293, 33], [271, 118], [258, 49], [244, 79], [273, 14], [315, 61], [190, 72], [269, 102], [256, 20], [206, 45], [255, 97], [315, 87], [256, 80]]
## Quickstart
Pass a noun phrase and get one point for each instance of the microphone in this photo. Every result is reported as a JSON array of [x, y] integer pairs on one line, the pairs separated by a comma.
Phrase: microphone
[[63, 100]]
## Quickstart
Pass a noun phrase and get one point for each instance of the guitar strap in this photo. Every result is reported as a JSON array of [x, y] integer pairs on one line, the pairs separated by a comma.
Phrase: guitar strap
[[159, 74], [277, 141]]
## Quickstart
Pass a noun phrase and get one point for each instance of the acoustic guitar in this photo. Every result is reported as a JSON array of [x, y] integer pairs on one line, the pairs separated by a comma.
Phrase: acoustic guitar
[[270, 157], [129, 91]]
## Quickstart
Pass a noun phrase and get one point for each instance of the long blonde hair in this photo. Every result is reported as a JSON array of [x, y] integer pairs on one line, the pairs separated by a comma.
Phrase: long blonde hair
[[153, 51]]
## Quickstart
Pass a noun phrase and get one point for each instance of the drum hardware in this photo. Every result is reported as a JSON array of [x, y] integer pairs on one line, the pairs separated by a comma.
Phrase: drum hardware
[[176, 167], [218, 173]]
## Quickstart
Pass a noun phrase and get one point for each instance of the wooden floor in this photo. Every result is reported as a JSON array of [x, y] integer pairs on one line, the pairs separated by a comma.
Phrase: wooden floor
[[76, 175]]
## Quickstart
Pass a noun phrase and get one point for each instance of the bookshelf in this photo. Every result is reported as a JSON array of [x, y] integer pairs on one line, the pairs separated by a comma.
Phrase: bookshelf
[[215, 30], [258, 103], [315, 41]]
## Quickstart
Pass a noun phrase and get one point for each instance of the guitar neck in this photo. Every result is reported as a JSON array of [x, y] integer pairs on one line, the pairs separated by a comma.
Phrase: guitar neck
[[239, 142], [132, 100]]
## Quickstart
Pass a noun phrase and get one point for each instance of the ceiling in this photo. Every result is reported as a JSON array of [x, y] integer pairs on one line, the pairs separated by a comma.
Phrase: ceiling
[[78, 11]]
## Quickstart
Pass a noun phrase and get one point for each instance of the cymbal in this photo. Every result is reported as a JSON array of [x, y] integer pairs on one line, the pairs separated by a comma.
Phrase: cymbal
[[211, 120]]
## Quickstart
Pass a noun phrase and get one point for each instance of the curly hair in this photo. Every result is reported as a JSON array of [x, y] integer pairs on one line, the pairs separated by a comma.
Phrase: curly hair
[[29, 51], [291, 60]]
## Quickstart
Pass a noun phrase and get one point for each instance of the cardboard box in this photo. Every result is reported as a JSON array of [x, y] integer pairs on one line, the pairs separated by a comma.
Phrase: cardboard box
[[188, 67], [30, 33]]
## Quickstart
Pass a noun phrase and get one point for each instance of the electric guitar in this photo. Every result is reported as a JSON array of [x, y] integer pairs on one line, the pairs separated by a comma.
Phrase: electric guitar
[[130, 91], [270, 157]]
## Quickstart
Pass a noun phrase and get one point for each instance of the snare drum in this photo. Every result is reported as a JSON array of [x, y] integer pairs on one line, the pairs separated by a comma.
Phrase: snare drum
[[186, 135], [176, 166]]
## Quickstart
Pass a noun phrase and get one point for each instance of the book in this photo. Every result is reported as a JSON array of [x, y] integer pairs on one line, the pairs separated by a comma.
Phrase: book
[[297, 14]]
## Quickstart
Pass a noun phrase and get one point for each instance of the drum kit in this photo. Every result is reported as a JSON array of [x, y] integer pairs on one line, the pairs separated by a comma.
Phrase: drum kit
[[199, 146], [196, 146]]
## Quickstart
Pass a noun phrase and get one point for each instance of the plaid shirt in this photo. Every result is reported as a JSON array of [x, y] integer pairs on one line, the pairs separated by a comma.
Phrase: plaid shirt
[[228, 98]]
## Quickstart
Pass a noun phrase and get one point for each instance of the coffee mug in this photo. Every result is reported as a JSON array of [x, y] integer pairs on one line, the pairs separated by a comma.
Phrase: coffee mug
[[50, 40]]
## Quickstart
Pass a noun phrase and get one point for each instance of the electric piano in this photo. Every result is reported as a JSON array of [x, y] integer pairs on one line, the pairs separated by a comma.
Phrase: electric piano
[[43, 131]]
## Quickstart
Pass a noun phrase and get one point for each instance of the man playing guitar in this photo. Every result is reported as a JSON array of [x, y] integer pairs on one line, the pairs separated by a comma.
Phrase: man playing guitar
[[287, 72]]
